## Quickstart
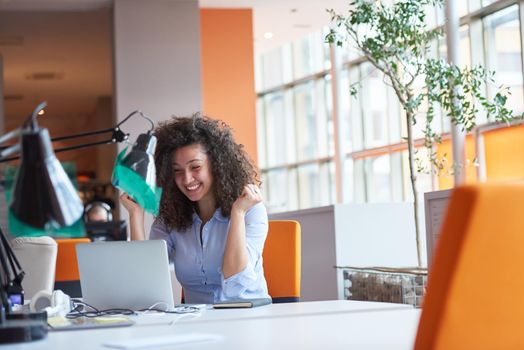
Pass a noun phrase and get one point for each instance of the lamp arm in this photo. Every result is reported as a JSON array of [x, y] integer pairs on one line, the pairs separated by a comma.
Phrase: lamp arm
[[117, 136], [10, 278], [142, 115], [16, 268], [83, 134]]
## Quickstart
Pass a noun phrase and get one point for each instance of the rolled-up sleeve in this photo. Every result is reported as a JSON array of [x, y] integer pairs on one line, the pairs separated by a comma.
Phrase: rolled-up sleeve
[[251, 279], [160, 231]]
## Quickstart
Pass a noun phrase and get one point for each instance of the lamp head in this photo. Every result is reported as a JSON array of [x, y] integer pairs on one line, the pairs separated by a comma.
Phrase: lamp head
[[141, 160], [43, 197], [135, 173]]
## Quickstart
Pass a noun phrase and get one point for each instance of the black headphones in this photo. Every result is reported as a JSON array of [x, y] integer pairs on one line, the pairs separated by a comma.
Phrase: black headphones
[[98, 204]]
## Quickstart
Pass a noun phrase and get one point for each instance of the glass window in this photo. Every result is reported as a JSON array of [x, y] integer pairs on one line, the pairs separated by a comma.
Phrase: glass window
[[287, 63], [397, 176], [378, 184], [359, 180], [487, 2], [464, 47], [264, 187], [474, 5], [315, 181], [312, 120], [462, 7], [258, 73], [277, 193], [504, 55], [272, 69], [349, 180], [355, 137], [374, 106], [462, 10], [275, 114], [329, 129], [281, 190], [261, 134], [308, 55]]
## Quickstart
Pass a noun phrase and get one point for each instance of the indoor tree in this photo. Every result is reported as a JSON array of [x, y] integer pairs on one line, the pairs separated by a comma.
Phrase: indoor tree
[[396, 39]]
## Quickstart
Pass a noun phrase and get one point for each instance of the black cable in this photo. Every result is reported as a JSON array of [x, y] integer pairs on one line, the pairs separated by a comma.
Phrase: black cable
[[80, 305]]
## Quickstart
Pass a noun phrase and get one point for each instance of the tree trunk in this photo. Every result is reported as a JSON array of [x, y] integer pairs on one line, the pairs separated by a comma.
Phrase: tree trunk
[[413, 178]]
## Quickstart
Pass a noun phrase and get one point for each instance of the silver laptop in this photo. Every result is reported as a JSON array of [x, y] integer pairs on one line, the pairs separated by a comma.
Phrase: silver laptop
[[131, 275]]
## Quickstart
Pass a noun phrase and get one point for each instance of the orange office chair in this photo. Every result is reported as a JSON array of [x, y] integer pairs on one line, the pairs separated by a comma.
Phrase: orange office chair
[[474, 296], [67, 277], [282, 261]]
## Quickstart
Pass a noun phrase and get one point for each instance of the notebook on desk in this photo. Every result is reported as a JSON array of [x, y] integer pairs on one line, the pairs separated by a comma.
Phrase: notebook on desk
[[129, 275]]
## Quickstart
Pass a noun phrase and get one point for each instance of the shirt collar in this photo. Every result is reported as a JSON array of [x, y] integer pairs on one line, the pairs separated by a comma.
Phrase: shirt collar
[[217, 215]]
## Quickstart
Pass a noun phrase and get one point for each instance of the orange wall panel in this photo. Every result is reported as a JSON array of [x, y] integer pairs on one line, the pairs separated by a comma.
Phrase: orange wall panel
[[228, 73], [505, 153]]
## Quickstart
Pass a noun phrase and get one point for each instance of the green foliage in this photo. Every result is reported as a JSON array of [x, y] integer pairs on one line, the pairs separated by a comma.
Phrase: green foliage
[[396, 40]]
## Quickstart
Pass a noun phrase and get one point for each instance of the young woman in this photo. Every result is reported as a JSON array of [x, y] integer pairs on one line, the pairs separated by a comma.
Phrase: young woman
[[211, 212]]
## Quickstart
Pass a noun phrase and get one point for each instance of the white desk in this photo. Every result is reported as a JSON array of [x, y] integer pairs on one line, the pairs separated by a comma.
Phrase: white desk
[[313, 325]]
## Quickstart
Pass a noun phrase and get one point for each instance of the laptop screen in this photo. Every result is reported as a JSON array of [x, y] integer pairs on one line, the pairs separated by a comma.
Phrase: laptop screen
[[130, 275]]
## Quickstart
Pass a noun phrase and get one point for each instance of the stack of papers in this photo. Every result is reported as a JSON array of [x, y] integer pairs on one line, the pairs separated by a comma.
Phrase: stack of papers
[[62, 323]]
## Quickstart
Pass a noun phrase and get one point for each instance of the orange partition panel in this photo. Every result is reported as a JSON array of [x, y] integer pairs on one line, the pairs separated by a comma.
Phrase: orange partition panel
[[66, 263], [505, 153], [228, 73]]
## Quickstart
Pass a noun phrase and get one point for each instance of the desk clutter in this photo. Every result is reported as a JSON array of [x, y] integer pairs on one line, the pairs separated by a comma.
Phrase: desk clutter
[[59, 323]]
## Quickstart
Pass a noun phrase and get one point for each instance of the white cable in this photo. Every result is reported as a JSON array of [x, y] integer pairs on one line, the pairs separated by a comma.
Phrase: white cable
[[181, 316]]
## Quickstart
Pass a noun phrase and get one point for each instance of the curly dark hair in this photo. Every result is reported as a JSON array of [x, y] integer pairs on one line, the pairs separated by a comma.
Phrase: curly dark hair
[[231, 167]]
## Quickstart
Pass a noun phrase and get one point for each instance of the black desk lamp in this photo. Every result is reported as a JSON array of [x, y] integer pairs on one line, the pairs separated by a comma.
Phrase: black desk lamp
[[43, 197]]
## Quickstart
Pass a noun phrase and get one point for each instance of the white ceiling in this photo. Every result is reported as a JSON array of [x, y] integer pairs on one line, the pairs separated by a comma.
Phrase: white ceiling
[[76, 89], [286, 19]]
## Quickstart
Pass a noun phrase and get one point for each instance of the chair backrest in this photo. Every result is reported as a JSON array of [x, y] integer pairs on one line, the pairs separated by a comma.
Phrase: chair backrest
[[67, 277], [37, 257], [282, 260], [474, 295]]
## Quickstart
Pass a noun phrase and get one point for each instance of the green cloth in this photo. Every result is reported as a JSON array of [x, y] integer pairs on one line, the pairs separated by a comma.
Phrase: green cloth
[[18, 229], [148, 197]]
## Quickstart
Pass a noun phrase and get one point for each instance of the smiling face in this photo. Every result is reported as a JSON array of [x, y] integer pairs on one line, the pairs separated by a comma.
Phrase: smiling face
[[193, 175]]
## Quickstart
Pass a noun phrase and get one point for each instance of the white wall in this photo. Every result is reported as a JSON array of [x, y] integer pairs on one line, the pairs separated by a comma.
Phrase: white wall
[[156, 62], [157, 58]]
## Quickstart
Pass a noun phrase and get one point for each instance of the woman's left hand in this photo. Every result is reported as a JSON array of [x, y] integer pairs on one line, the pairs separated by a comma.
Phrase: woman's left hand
[[250, 196]]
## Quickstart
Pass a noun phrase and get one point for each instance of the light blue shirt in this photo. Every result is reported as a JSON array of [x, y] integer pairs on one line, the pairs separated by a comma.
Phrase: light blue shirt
[[198, 267]]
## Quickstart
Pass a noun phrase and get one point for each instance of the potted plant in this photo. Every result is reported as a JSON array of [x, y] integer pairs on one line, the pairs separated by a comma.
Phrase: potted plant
[[396, 40]]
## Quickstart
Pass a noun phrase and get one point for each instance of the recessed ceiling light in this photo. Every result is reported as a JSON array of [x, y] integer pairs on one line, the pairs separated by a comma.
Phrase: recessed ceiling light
[[268, 35]]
